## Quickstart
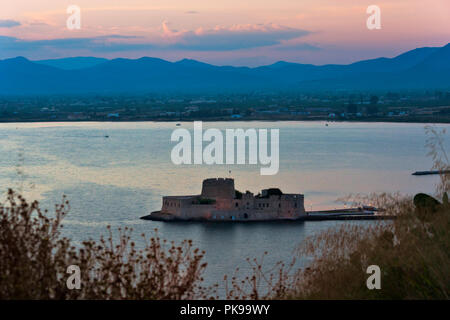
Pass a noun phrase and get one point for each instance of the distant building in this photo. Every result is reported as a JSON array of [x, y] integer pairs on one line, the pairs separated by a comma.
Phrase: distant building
[[167, 114], [219, 201], [192, 109], [77, 116]]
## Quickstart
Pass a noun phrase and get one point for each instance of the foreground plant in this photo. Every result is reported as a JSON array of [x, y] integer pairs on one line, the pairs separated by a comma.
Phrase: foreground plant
[[413, 255], [412, 251], [34, 258]]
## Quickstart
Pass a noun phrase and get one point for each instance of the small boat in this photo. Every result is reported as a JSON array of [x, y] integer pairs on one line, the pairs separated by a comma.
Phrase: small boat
[[364, 210], [424, 173], [178, 124]]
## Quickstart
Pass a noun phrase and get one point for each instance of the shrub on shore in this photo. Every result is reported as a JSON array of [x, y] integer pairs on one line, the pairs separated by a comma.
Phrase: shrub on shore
[[413, 255], [412, 251], [34, 258]]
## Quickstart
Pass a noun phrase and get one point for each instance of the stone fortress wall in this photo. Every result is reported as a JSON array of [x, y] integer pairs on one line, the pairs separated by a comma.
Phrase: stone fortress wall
[[229, 207], [220, 188]]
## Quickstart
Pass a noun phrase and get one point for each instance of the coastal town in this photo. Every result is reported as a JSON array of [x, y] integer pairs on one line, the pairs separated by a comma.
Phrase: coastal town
[[391, 107]]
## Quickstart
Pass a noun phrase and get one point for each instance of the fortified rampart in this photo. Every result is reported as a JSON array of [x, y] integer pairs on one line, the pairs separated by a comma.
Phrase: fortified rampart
[[220, 201], [220, 188]]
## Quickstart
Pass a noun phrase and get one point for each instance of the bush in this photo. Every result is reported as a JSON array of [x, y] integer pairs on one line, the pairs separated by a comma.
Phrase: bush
[[34, 258], [412, 251], [413, 255]]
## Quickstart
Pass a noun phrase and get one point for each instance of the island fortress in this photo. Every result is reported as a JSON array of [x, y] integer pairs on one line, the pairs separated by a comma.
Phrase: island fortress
[[219, 201]]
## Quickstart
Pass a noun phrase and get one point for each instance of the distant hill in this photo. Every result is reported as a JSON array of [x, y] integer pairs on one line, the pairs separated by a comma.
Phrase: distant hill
[[72, 63], [422, 68]]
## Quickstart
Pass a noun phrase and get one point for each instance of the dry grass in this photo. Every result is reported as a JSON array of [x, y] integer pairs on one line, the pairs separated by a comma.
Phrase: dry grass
[[34, 259], [263, 283], [412, 251], [413, 255]]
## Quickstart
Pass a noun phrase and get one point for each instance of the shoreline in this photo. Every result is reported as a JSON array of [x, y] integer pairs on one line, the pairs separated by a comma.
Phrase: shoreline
[[327, 120], [367, 217]]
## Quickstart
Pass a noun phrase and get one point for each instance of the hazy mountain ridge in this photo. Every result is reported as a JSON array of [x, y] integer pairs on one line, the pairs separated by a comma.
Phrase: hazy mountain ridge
[[73, 63], [421, 68]]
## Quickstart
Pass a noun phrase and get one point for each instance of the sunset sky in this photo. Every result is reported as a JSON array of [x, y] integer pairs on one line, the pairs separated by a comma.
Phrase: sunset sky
[[236, 32]]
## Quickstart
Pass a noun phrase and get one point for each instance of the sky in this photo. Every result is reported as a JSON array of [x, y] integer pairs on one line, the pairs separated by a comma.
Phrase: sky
[[222, 32]]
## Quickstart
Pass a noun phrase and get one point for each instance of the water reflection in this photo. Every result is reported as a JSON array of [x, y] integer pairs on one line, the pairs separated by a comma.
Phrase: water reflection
[[115, 181]]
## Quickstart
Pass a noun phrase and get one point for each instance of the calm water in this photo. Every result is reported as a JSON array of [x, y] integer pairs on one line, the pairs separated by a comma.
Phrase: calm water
[[113, 181]]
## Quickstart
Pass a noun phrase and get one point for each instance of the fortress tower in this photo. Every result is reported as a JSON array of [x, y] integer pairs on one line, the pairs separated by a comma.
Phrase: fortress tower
[[219, 201], [220, 188]]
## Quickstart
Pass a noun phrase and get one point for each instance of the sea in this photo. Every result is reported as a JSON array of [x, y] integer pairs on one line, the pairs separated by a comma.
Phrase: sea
[[113, 173]]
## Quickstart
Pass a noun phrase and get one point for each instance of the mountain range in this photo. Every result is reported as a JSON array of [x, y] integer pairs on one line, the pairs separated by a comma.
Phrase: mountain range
[[418, 69]]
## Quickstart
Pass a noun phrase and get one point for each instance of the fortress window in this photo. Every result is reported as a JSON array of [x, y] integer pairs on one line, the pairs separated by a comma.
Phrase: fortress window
[[237, 205], [279, 205], [245, 216], [295, 205]]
